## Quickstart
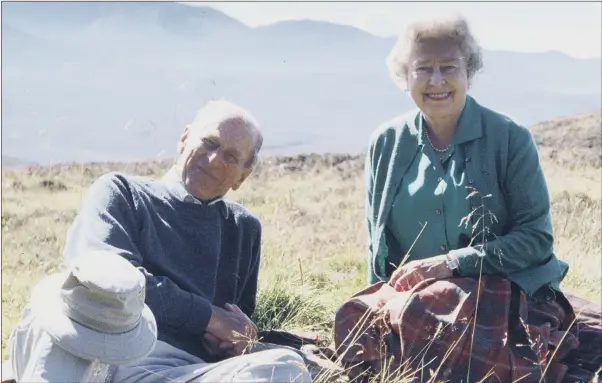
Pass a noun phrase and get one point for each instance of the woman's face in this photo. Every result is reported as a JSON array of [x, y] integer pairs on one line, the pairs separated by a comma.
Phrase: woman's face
[[438, 78]]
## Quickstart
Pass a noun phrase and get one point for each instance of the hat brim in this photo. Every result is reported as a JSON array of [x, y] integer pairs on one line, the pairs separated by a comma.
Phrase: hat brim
[[81, 341]]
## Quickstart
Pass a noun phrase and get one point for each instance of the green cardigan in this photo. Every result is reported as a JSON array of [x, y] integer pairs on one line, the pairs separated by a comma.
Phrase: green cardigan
[[501, 160]]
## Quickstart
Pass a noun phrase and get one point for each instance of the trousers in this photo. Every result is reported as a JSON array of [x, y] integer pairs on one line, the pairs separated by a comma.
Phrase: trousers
[[34, 357], [170, 364]]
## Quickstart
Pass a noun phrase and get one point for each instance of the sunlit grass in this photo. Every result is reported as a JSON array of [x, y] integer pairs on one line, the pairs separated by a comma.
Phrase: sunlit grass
[[314, 249]]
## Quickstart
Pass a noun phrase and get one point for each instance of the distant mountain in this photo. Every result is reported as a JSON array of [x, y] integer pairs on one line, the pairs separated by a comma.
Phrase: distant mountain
[[12, 162], [93, 81]]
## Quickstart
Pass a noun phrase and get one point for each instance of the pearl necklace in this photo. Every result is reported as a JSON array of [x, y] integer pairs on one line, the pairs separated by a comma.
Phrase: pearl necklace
[[433, 146]]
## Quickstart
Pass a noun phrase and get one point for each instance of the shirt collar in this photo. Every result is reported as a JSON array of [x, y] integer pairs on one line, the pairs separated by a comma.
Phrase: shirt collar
[[175, 185], [469, 125]]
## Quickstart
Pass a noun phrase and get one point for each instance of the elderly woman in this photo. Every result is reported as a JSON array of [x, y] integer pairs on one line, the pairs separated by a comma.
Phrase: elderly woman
[[458, 209]]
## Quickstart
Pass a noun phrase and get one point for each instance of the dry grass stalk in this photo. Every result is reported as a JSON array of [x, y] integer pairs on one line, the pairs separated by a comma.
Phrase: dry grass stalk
[[312, 212]]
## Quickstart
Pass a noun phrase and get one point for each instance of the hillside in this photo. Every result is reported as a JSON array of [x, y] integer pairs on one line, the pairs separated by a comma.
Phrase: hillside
[[119, 80], [569, 141], [575, 140], [11, 162]]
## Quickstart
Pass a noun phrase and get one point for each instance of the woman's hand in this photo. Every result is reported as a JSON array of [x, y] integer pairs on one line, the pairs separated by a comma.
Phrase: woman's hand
[[414, 272]]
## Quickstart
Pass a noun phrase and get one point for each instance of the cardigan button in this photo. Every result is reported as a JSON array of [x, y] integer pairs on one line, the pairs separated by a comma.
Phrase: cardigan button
[[467, 159]]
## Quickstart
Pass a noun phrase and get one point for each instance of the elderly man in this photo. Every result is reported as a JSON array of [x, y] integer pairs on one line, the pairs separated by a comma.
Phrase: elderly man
[[199, 253]]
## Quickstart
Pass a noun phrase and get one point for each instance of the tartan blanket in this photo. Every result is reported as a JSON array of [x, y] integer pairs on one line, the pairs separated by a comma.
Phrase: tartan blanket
[[437, 332]]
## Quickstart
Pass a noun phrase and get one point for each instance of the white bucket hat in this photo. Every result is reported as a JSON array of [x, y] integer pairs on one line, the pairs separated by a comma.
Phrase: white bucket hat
[[96, 311]]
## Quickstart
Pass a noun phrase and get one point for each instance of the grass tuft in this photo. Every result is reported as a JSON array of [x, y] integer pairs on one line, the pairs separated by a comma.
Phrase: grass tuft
[[281, 306]]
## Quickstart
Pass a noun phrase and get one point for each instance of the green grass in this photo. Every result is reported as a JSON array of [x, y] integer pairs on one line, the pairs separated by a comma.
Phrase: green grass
[[314, 240]]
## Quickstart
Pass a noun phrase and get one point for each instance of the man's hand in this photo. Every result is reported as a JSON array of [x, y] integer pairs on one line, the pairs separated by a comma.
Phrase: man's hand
[[412, 273], [229, 331], [216, 348]]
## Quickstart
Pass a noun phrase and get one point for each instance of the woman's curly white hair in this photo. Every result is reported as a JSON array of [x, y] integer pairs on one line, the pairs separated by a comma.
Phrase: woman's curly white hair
[[454, 28]]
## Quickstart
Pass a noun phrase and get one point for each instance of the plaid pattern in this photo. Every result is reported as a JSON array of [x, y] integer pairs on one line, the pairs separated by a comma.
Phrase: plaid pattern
[[429, 330]]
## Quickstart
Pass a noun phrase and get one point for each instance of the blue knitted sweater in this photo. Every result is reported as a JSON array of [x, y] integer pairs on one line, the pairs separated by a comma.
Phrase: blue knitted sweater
[[194, 254]]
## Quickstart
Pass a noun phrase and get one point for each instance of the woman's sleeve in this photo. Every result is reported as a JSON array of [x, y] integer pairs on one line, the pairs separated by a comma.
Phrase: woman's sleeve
[[369, 181], [530, 238]]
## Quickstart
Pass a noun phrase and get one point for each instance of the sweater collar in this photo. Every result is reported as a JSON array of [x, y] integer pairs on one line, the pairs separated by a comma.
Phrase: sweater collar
[[175, 185]]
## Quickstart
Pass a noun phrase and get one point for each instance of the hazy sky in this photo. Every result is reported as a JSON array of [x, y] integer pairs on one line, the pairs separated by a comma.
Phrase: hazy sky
[[572, 28]]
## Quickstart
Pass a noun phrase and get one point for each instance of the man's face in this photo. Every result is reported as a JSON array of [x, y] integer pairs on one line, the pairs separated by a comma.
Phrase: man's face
[[437, 78], [214, 160]]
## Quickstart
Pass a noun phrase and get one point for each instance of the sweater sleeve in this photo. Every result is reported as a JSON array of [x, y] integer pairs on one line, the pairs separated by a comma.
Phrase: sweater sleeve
[[248, 297], [530, 239], [369, 210], [107, 221]]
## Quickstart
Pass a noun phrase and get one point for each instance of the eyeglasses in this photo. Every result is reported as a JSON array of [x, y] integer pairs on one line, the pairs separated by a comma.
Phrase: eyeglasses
[[426, 72], [447, 70]]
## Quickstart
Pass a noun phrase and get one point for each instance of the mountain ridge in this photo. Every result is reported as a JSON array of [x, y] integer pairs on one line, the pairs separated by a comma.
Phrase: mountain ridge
[[73, 81]]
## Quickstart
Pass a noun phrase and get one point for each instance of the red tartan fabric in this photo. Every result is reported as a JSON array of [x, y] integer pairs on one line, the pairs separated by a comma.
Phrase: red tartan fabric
[[429, 329]]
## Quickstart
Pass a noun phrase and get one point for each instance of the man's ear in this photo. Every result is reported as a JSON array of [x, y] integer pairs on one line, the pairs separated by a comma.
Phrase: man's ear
[[183, 138], [246, 173]]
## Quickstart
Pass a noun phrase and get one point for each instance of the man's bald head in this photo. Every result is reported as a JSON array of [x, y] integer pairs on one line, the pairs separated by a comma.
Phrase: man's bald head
[[218, 150], [222, 112]]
